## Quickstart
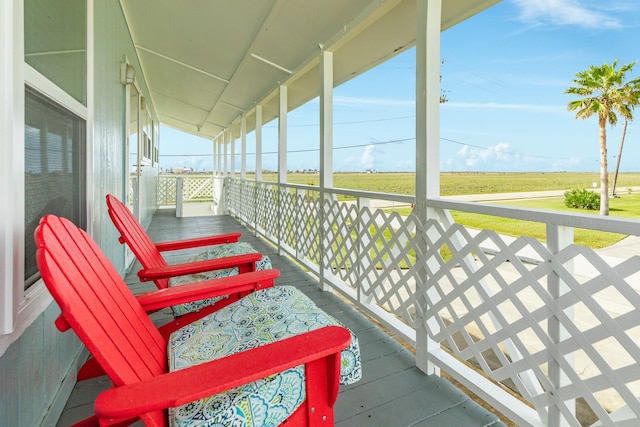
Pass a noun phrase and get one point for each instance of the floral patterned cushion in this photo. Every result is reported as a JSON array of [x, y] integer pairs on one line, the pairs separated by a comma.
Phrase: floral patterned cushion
[[262, 317], [218, 251]]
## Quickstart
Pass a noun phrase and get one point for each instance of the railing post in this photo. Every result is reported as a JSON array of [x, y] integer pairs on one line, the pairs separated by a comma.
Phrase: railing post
[[224, 196], [559, 237], [423, 344], [179, 197], [363, 261]]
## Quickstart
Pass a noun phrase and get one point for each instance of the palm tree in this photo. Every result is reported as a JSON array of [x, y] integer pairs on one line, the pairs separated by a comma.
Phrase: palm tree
[[605, 94]]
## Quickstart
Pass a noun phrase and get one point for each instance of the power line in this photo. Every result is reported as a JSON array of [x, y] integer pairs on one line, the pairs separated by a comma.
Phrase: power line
[[501, 151], [394, 141], [349, 123]]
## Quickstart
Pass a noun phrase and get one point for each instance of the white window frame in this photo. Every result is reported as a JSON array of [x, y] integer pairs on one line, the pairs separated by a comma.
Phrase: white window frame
[[20, 307]]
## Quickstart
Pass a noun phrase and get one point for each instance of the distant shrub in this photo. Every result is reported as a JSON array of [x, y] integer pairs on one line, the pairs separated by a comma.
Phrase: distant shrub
[[581, 198]]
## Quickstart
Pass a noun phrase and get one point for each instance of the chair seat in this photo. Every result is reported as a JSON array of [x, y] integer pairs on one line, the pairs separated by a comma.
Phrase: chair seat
[[215, 252], [263, 317]]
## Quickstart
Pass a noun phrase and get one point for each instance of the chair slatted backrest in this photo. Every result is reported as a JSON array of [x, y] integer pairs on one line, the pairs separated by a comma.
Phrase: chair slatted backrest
[[98, 305], [135, 236]]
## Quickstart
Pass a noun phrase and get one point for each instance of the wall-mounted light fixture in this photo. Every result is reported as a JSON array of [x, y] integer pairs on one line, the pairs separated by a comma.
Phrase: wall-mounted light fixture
[[127, 73]]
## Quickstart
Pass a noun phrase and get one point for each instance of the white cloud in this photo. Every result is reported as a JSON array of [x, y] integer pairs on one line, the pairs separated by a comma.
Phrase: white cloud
[[564, 12], [366, 160], [474, 157]]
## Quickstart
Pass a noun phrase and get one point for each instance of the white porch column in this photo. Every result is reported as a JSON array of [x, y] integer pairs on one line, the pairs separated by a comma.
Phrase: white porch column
[[326, 149], [219, 143], [429, 15], [243, 147], [326, 120], [215, 156], [282, 136], [258, 142], [282, 159], [225, 155], [232, 160], [258, 176], [214, 196]]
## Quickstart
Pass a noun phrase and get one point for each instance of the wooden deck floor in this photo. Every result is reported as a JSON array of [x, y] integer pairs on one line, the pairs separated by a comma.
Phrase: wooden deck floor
[[392, 392]]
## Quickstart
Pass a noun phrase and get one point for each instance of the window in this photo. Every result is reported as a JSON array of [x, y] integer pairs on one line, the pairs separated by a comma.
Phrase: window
[[55, 169], [55, 43]]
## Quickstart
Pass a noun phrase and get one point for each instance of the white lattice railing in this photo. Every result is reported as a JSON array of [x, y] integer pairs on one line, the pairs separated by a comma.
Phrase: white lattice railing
[[194, 188], [556, 323]]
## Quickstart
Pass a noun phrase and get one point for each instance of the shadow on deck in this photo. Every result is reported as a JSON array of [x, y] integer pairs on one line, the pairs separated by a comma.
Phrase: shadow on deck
[[393, 392]]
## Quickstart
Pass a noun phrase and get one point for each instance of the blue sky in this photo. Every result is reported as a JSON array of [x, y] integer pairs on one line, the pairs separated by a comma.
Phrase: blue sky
[[505, 72]]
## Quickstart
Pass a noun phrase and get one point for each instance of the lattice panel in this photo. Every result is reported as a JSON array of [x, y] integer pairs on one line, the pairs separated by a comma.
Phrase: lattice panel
[[167, 190], [340, 239], [247, 206], [267, 210], [240, 199], [376, 252], [307, 228], [500, 313], [262, 206], [195, 188], [392, 254], [232, 196], [288, 218]]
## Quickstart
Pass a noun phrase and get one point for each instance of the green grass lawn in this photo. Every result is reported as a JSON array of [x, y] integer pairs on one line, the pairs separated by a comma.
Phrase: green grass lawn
[[626, 206]]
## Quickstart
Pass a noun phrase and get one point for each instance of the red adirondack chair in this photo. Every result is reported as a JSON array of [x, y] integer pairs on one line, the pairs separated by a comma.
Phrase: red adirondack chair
[[155, 266], [115, 327]]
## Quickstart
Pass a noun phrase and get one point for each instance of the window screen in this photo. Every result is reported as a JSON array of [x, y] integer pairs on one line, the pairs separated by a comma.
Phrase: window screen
[[55, 176]]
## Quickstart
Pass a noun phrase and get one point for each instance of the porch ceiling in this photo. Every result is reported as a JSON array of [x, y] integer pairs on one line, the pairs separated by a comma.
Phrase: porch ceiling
[[207, 63]]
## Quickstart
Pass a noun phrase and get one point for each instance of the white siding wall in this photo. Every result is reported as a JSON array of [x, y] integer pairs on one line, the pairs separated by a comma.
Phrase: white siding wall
[[37, 369], [112, 45]]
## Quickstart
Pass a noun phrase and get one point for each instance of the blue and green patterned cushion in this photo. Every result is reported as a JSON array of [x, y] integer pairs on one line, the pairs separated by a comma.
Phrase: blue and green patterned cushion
[[218, 251], [260, 318]]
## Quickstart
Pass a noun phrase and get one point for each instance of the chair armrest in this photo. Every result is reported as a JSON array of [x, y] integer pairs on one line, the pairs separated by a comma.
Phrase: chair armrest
[[246, 282], [190, 384], [245, 262], [217, 239], [61, 323]]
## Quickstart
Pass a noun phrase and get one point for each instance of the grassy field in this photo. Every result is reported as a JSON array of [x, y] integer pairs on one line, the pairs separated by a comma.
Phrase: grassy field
[[456, 183]]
